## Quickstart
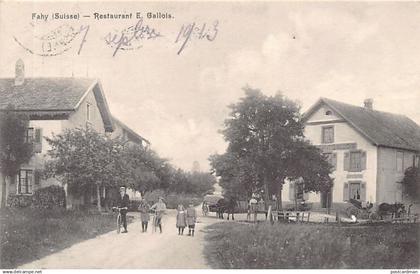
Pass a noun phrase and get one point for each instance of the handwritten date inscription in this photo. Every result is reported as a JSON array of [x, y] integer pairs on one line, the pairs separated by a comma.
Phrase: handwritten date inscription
[[191, 31], [131, 37]]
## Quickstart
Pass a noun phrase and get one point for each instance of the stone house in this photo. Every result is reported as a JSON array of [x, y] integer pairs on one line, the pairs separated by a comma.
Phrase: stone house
[[369, 149], [53, 105]]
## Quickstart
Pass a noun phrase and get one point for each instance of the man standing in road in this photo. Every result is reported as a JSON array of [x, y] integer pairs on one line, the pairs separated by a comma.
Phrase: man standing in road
[[123, 201]]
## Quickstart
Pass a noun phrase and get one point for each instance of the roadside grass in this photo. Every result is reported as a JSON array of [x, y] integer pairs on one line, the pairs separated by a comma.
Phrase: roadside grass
[[250, 246], [29, 234]]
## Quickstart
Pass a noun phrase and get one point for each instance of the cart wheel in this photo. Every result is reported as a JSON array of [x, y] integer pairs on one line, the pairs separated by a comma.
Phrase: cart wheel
[[374, 216]]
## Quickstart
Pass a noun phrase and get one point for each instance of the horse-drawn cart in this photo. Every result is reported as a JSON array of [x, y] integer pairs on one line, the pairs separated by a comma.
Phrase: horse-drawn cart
[[361, 210]]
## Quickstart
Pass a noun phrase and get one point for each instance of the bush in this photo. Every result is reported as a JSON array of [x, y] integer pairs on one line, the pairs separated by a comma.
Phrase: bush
[[231, 245], [174, 199], [133, 205], [153, 196], [49, 197], [19, 201]]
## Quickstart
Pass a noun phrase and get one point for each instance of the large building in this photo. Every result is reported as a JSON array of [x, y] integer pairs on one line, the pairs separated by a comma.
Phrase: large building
[[53, 105], [369, 149]]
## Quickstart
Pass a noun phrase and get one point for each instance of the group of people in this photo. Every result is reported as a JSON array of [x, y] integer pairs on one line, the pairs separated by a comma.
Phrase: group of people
[[159, 208], [184, 217]]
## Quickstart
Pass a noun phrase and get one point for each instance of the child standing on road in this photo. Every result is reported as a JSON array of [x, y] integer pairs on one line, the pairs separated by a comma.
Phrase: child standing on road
[[191, 219], [144, 214], [160, 209], [181, 219]]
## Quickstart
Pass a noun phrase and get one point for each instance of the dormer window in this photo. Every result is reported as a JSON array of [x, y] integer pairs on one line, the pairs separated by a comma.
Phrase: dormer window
[[328, 112]]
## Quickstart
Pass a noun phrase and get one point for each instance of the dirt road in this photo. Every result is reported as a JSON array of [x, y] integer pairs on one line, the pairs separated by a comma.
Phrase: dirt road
[[134, 249]]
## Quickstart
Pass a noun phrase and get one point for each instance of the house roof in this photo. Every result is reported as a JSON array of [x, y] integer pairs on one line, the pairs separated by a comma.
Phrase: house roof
[[380, 128], [131, 134], [54, 96]]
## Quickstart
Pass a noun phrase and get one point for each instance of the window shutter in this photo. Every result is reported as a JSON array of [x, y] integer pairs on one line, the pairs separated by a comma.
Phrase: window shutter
[[38, 140], [18, 184], [334, 161], [346, 193], [37, 175], [363, 191], [291, 191], [346, 161], [363, 160]]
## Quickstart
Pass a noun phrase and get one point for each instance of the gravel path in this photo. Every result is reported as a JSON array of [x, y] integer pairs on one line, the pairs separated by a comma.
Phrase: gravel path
[[134, 249]]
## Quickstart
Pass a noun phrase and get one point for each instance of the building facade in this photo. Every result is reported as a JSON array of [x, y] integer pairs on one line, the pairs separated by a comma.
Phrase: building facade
[[54, 105], [369, 150]]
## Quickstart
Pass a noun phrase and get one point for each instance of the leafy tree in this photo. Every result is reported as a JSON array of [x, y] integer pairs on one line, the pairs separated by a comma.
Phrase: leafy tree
[[143, 166], [86, 161], [201, 182], [14, 150], [411, 183], [266, 145], [237, 175]]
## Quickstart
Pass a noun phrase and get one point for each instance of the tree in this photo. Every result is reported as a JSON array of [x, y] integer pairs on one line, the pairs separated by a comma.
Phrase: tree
[[411, 183], [144, 166], [86, 161], [237, 175], [266, 145], [15, 150]]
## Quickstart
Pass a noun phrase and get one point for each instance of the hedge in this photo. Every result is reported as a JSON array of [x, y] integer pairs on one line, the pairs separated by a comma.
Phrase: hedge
[[47, 197]]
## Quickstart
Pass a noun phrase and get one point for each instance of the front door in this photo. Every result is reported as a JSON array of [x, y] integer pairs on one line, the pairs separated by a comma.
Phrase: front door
[[355, 191]]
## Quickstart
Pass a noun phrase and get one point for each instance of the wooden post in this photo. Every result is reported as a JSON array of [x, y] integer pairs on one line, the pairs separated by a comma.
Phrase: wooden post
[[309, 214]]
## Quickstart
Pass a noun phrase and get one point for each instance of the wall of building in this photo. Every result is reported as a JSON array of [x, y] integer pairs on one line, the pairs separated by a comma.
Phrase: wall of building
[[51, 127], [79, 117], [389, 190], [343, 134]]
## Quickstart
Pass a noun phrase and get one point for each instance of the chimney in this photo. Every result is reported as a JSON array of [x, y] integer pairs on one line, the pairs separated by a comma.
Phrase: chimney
[[19, 72], [368, 103]]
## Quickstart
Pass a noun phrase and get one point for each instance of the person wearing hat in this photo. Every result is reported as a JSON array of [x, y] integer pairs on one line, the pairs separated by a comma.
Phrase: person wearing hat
[[160, 208], [123, 201]]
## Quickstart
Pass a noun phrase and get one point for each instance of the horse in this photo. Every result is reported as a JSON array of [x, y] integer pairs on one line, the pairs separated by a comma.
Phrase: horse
[[227, 206], [395, 209]]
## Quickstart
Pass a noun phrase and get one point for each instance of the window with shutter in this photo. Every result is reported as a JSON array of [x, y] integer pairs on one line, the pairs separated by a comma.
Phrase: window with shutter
[[29, 135], [355, 161], [327, 134], [25, 181], [38, 140]]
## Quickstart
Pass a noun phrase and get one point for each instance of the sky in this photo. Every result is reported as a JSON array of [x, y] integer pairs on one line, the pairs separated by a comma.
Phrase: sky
[[306, 50]]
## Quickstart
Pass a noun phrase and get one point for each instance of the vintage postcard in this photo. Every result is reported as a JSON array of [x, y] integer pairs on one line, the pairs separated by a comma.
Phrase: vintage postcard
[[209, 135]]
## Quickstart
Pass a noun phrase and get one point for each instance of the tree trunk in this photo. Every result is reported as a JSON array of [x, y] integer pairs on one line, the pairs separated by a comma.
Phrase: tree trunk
[[279, 200], [98, 195], [3, 190]]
